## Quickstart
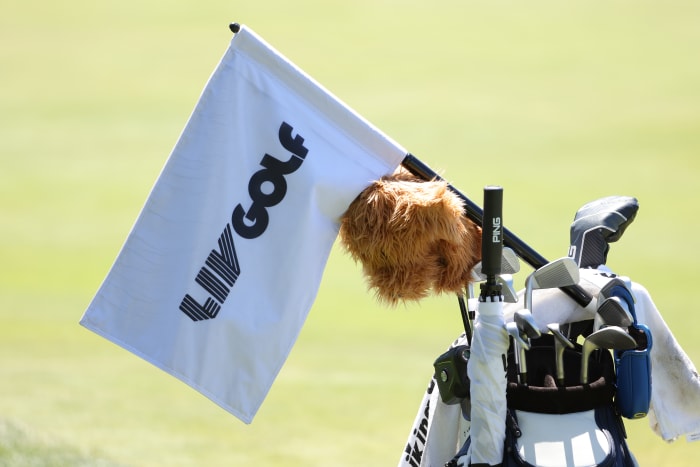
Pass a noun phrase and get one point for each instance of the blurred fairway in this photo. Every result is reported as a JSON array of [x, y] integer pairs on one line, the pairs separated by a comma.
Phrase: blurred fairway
[[558, 102]]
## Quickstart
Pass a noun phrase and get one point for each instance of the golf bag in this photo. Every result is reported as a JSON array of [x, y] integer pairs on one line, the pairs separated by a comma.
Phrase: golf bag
[[546, 424], [563, 406]]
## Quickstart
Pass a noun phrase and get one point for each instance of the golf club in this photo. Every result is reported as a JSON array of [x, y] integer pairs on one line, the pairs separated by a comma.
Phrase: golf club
[[612, 311], [519, 345], [528, 329], [514, 332], [559, 273], [509, 293], [560, 344], [526, 324], [509, 265], [611, 337], [610, 289], [596, 225]]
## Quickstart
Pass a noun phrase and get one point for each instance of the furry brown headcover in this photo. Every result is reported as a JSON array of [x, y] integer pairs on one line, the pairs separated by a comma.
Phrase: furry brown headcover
[[411, 237]]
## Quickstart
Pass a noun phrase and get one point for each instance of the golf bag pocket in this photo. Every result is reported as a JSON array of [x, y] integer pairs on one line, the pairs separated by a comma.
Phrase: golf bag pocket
[[633, 366], [634, 376], [589, 438], [451, 374]]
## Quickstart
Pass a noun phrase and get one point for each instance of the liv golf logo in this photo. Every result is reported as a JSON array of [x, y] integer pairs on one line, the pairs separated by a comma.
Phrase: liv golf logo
[[221, 269]]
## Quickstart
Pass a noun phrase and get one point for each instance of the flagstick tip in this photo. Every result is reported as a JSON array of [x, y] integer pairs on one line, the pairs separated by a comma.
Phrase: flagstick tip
[[234, 27]]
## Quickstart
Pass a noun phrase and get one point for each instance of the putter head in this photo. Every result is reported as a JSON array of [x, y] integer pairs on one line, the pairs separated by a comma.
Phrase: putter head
[[610, 337], [596, 225], [558, 273]]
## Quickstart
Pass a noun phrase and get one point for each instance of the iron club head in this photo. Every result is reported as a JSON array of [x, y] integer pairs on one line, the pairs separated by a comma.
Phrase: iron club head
[[514, 332], [526, 324], [610, 337], [520, 345], [613, 311], [510, 264], [527, 328], [558, 273], [509, 293]]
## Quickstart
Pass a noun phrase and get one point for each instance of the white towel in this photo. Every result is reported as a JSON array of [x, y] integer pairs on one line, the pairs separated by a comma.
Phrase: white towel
[[675, 388]]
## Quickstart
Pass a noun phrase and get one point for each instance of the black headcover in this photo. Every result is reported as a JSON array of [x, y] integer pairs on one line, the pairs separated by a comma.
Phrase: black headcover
[[596, 225]]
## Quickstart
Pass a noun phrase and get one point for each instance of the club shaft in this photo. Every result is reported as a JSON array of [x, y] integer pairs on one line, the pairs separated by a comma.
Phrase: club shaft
[[522, 366], [559, 360], [476, 215]]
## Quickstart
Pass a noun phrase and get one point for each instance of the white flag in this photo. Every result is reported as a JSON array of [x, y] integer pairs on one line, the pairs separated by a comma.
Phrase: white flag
[[217, 276]]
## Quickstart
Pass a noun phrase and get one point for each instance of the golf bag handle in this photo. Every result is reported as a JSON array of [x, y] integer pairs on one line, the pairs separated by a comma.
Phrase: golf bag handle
[[476, 215]]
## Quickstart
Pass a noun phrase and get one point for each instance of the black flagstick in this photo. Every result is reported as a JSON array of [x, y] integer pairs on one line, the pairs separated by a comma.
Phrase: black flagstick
[[476, 215]]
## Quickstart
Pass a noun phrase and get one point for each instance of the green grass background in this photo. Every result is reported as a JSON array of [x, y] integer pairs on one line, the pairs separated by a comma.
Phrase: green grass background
[[558, 102]]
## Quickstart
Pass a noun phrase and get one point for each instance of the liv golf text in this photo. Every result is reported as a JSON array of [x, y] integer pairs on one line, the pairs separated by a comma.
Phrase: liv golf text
[[221, 268]]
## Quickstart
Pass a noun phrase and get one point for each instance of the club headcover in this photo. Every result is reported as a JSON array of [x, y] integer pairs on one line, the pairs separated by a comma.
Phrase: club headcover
[[596, 225], [411, 237]]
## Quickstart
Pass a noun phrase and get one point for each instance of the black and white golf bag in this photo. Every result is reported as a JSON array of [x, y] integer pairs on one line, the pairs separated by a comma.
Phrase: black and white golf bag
[[551, 408], [558, 420]]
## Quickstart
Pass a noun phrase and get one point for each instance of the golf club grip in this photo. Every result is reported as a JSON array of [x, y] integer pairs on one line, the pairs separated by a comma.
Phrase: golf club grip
[[492, 232], [475, 214]]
